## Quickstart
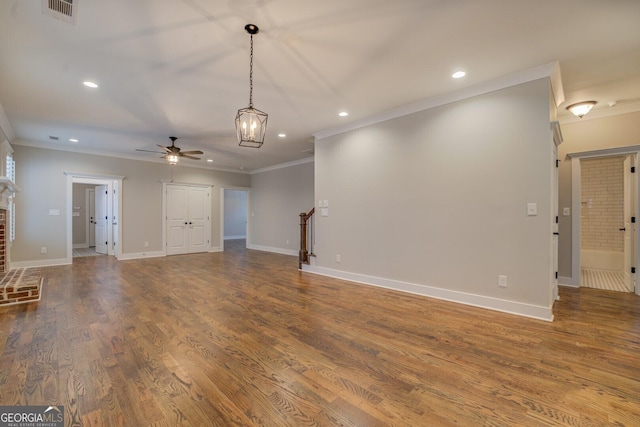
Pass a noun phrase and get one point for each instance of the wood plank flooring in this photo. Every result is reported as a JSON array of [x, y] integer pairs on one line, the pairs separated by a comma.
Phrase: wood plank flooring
[[242, 338]]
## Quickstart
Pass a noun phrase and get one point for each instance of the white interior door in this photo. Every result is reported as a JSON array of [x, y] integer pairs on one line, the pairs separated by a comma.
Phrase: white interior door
[[188, 212], [115, 221], [101, 227], [628, 226], [91, 197], [177, 220], [198, 202], [554, 212]]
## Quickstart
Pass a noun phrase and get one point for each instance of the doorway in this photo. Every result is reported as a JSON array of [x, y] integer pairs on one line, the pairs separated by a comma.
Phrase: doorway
[[110, 209], [608, 197], [234, 212]]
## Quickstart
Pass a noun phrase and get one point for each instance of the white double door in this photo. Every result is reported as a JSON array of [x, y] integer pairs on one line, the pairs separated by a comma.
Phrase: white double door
[[188, 219]]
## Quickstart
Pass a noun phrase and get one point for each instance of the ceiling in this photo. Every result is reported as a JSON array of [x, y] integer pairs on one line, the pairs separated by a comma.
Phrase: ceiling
[[181, 67]]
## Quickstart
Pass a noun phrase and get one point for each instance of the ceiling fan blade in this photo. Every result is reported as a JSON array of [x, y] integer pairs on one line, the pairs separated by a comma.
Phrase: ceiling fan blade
[[149, 151], [190, 157], [192, 152], [164, 148]]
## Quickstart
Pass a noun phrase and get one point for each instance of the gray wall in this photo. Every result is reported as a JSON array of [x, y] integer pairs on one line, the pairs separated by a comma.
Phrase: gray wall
[[587, 135], [40, 175], [235, 214], [277, 199], [439, 197], [80, 222]]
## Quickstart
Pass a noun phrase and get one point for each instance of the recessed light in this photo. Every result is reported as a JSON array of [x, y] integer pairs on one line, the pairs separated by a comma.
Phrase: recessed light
[[73, 140], [282, 135], [343, 114], [209, 160], [458, 74], [90, 84]]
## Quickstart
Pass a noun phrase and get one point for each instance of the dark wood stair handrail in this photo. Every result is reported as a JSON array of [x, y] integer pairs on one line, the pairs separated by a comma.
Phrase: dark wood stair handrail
[[303, 255]]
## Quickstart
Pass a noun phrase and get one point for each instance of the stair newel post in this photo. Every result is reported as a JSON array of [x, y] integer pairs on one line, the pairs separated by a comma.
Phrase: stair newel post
[[303, 254]]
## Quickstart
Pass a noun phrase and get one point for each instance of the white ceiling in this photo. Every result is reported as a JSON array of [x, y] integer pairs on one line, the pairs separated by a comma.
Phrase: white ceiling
[[180, 67]]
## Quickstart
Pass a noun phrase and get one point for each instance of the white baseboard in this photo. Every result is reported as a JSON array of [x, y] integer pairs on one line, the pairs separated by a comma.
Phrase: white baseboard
[[569, 282], [40, 263], [505, 306], [274, 249], [235, 237], [139, 255], [80, 246], [215, 249]]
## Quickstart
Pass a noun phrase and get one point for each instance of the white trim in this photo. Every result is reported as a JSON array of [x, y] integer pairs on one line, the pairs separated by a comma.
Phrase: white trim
[[5, 126], [274, 250], [84, 150], [569, 281], [576, 191], [525, 76], [215, 249], [80, 245], [40, 263], [600, 113], [284, 165], [505, 306], [235, 237], [98, 179], [247, 190], [139, 255]]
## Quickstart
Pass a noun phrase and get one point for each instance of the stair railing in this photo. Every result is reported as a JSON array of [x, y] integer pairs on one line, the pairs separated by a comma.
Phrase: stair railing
[[306, 237]]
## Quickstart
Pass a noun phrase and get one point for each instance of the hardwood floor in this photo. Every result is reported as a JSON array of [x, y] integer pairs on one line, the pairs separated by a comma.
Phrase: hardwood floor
[[243, 338]]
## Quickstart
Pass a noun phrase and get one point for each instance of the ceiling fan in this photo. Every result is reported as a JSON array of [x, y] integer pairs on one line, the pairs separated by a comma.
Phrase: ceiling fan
[[172, 153]]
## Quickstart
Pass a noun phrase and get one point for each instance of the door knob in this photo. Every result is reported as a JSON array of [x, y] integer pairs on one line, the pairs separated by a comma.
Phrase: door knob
[[623, 229]]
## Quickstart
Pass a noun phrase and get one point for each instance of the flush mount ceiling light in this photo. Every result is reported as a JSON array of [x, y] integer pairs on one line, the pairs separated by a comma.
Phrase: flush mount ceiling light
[[581, 108], [458, 74], [251, 123], [90, 84], [343, 114]]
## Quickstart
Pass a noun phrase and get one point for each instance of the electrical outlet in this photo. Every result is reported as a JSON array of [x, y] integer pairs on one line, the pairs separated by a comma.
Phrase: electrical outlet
[[43, 250], [287, 241], [502, 281], [146, 244], [338, 259]]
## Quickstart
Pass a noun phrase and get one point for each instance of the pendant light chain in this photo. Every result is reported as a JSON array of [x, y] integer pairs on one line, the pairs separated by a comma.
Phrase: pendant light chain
[[251, 74]]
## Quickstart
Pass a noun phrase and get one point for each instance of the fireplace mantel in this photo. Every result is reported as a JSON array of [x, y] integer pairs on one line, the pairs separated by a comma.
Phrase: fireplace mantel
[[7, 185]]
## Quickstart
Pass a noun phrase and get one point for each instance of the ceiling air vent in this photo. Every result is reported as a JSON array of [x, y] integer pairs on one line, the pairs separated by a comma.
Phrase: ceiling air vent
[[65, 10]]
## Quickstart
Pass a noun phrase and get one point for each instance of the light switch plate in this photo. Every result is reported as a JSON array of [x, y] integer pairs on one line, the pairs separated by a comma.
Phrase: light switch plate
[[532, 209], [566, 211]]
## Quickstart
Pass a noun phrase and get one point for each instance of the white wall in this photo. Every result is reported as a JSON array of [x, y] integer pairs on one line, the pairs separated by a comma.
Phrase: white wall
[[436, 202], [40, 175], [277, 198]]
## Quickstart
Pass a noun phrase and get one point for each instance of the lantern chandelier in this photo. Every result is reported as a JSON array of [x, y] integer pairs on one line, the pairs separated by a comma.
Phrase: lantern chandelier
[[251, 123]]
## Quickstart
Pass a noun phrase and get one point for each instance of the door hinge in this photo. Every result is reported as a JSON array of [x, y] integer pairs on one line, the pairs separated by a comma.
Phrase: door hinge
[[633, 270], [633, 219], [633, 169], [557, 162], [556, 275], [556, 219]]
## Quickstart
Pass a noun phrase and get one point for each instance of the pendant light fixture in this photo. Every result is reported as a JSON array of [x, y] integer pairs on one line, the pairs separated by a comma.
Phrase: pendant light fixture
[[251, 123]]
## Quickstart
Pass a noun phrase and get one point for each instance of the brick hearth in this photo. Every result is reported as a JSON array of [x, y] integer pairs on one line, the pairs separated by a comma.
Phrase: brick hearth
[[20, 286]]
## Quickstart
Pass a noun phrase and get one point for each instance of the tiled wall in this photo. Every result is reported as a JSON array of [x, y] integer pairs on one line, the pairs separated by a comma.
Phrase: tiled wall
[[602, 204]]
